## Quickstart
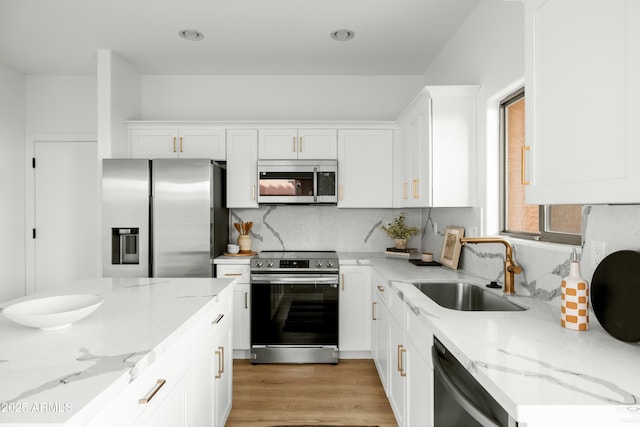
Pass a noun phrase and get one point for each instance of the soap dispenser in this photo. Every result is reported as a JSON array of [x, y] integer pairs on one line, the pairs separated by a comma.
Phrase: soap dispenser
[[574, 310]]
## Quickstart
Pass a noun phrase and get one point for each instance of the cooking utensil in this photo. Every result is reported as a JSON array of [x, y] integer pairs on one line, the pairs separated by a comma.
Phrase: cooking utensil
[[237, 226], [615, 295]]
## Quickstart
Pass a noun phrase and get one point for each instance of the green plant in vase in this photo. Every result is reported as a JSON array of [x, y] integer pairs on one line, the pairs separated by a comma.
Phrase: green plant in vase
[[398, 231]]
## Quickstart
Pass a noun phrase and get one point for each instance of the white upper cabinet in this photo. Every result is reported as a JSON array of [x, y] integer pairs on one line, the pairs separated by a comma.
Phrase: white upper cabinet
[[435, 162], [242, 168], [582, 90], [297, 144], [365, 168], [157, 141]]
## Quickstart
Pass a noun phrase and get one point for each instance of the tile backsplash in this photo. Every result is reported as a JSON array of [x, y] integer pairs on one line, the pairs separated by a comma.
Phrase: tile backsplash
[[358, 230], [309, 227]]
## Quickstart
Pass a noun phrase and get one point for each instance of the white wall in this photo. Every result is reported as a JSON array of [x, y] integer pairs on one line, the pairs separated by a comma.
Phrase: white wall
[[12, 213], [251, 98], [488, 50], [61, 103], [119, 100]]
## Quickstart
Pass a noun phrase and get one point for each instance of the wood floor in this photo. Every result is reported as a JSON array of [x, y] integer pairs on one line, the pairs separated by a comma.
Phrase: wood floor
[[349, 393]]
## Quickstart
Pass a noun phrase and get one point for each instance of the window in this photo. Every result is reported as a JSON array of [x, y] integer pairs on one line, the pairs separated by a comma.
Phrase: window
[[557, 223]]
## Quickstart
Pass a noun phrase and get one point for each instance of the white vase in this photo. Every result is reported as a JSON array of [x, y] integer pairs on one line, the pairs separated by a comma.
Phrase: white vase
[[574, 309]]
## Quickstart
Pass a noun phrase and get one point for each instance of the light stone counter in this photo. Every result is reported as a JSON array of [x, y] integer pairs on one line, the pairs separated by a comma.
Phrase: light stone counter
[[541, 373], [57, 376]]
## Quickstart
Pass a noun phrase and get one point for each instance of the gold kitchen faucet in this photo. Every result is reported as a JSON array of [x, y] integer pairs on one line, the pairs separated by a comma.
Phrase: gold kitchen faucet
[[510, 267]]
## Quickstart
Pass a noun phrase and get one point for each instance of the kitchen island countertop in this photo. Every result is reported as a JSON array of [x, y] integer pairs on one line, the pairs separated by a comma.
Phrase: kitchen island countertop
[[57, 376]]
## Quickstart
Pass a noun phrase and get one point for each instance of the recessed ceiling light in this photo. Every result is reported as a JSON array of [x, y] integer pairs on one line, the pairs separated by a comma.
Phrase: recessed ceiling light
[[343, 35], [191, 35]]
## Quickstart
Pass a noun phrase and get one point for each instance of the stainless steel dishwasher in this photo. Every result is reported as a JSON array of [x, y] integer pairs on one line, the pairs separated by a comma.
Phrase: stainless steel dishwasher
[[459, 400]]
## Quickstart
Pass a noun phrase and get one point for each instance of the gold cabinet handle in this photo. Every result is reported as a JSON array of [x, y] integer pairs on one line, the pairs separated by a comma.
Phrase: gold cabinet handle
[[221, 359], [219, 355], [181, 144], [300, 144], [380, 288], [405, 185], [218, 319], [400, 358], [342, 275], [253, 192], [523, 178], [294, 144], [403, 373], [373, 311], [174, 144], [156, 388], [232, 274], [414, 188], [340, 193]]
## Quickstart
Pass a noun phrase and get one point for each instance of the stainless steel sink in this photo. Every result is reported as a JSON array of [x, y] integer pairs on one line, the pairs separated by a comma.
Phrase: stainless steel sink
[[463, 296]]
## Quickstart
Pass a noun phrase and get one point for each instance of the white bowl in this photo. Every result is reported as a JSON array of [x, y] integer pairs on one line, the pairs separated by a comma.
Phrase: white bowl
[[51, 313], [233, 249]]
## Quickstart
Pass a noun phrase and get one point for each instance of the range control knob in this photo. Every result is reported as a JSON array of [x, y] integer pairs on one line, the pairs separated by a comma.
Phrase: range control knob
[[269, 264], [319, 264], [329, 264], [258, 263]]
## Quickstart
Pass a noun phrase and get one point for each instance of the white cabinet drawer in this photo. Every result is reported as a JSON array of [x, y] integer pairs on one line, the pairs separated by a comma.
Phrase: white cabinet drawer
[[214, 320], [240, 272], [145, 393]]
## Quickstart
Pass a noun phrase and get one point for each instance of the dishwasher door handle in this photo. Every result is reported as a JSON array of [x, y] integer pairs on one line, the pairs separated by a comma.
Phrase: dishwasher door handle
[[458, 395]]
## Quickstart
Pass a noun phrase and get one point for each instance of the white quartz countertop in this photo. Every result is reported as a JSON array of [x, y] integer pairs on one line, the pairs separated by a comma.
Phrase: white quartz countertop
[[52, 376], [541, 373]]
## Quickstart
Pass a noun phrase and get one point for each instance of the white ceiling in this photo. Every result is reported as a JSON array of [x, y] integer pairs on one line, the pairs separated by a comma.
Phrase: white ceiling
[[393, 37]]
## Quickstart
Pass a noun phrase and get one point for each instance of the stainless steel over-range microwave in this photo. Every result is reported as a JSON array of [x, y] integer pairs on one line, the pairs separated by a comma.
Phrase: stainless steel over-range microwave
[[298, 181]]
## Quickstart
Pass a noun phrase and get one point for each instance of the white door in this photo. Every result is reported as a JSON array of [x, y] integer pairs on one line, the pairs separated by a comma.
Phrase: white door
[[66, 213]]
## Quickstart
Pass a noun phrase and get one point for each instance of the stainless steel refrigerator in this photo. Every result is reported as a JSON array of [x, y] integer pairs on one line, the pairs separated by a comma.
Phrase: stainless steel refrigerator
[[162, 217]]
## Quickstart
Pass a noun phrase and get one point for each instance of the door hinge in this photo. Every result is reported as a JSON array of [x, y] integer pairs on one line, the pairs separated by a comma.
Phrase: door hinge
[[33, 233], [33, 162]]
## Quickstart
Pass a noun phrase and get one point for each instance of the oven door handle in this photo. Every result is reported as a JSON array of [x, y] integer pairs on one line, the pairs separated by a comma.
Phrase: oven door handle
[[457, 394], [296, 281]]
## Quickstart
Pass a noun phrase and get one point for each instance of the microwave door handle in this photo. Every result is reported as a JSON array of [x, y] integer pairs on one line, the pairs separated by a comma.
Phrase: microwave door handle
[[315, 184]]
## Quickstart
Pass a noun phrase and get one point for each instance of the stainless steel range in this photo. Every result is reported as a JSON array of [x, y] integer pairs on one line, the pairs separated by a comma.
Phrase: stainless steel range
[[294, 307]]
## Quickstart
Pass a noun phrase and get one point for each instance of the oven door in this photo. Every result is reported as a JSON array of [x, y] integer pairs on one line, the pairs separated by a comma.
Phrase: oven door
[[294, 311]]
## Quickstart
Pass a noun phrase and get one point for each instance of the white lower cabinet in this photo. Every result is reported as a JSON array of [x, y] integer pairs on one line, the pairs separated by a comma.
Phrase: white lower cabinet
[[189, 384], [410, 382], [172, 410], [419, 373], [210, 382], [380, 332], [241, 303], [397, 383], [223, 371], [355, 308]]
